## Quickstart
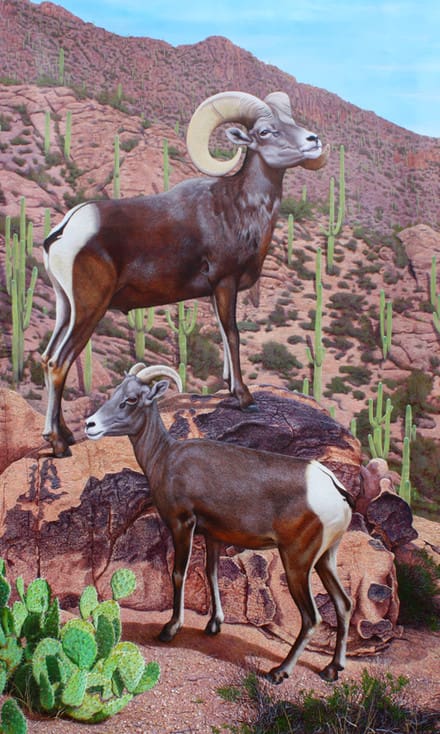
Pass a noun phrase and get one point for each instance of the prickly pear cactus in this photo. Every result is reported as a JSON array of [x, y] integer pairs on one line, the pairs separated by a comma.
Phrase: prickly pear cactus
[[12, 719], [82, 668]]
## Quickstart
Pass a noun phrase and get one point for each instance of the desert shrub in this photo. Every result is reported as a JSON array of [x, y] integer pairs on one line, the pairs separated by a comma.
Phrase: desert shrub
[[298, 208], [425, 475], [203, 355], [248, 326], [276, 357], [375, 704], [337, 385], [414, 391], [417, 589], [356, 375]]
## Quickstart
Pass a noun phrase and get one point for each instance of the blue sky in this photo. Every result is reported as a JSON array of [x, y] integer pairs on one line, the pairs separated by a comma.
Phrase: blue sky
[[380, 55]]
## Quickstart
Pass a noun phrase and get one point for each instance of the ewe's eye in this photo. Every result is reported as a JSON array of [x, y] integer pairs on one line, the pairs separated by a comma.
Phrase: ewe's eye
[[265, 133], [127, 401]]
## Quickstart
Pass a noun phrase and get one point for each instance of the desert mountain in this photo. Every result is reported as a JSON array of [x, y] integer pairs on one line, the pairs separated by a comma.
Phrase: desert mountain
[[392, 174]]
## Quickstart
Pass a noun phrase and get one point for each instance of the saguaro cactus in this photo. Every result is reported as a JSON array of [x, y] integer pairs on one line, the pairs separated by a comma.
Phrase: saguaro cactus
[[21, 295], [315, 353], [141, 320], [186, 321], [385, 324], [380, 422], [405, 488], [68, 134], [61, 66], [335, 222], [434, 297]]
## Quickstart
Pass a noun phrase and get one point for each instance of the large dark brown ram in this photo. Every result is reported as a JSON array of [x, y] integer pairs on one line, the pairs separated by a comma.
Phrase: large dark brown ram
[[204, 237]]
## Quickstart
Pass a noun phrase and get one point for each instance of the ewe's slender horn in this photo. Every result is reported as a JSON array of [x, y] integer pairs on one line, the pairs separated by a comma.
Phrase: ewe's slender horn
[[147, 374], [238, 107]]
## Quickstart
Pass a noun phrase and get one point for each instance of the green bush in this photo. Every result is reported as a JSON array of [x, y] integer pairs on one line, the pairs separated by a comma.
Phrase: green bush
[[203, 355], [298, 208], [417, 589]]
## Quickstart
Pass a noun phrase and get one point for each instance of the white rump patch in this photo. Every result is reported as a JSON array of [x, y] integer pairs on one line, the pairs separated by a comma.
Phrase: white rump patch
[[327, 502], [82, 223]]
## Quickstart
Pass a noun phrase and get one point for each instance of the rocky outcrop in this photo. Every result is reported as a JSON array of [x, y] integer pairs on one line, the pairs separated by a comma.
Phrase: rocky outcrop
[[75, 520]]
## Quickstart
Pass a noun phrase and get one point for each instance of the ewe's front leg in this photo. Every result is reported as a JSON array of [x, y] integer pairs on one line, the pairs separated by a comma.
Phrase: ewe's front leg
[[217, 617], [183, 533]]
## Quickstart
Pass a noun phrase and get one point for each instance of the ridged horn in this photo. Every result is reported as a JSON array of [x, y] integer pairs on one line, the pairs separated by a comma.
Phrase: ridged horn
[[238, 107], [147, 374]]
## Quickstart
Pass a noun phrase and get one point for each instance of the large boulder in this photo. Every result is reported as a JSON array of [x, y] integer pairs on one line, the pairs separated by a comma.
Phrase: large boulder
[[75, 520]]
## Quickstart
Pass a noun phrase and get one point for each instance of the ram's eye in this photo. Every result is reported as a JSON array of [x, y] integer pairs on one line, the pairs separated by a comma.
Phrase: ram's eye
[[265, 133]]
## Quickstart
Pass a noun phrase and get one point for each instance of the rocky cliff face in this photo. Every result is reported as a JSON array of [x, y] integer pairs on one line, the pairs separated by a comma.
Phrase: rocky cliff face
[[75, 520]]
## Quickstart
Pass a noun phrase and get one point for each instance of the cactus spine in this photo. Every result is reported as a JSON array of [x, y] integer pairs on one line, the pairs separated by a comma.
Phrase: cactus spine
[[186, 322], [385, 324], [141, 320], [380, 422], [335, 221], [315, 354]]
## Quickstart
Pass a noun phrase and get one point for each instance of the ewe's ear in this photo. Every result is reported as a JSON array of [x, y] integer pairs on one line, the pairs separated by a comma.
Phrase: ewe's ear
[[237, 136], [156, 391]]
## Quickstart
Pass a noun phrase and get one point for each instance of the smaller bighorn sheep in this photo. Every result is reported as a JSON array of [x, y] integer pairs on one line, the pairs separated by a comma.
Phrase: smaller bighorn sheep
[[239, 496]]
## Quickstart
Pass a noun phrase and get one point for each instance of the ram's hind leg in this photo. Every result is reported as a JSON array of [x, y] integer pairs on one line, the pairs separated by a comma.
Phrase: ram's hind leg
[[298, 579], [326, 569]]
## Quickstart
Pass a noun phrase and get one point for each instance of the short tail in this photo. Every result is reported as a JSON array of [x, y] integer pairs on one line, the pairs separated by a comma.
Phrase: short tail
[[339, 486]]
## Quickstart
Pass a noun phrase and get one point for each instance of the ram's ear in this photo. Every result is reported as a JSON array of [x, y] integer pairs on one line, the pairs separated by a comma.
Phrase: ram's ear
[[237, 136], [156, 390]]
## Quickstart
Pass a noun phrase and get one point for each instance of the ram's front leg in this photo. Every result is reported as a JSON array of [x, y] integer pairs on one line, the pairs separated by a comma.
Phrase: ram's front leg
[[225, 305], [183, 533]]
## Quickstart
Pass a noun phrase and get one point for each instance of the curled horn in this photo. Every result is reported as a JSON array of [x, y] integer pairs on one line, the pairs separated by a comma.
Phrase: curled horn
[[147, 374], [238, 107]]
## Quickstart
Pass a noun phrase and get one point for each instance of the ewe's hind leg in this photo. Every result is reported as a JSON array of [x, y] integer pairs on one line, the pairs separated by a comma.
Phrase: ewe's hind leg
[[217, 616], [298, 579], [326, 569]]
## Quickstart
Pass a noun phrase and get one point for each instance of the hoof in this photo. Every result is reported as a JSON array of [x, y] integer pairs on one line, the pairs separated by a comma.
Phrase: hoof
[[213, 628], [165, 636], [168, 633], [62, 453], [252, 408], [331, 673], [276, 676]]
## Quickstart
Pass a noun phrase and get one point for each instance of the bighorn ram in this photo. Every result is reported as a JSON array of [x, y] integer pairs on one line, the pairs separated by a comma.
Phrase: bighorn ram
[[205, 237], [239, 496]]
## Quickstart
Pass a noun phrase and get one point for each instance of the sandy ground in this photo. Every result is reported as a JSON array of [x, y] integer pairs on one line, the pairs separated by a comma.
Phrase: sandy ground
[[194, 667]]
